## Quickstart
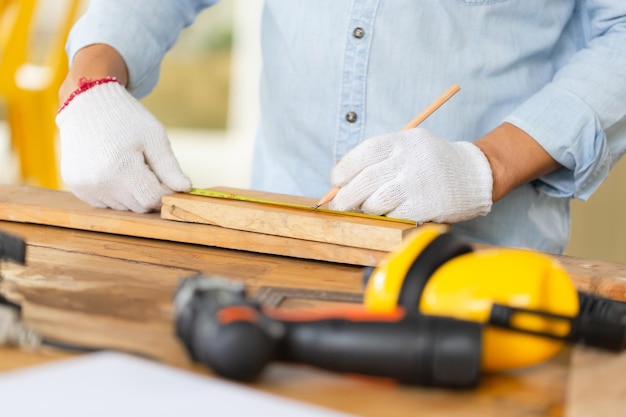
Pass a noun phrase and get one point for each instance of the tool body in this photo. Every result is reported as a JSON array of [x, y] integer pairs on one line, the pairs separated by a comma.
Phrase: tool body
[[237, 338], [414, 349]]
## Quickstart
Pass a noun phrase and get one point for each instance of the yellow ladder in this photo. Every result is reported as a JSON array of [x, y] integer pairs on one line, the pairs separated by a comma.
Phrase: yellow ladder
[[30, 89]]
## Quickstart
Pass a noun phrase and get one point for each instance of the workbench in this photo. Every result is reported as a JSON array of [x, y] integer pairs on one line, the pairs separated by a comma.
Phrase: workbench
[[108, 290]]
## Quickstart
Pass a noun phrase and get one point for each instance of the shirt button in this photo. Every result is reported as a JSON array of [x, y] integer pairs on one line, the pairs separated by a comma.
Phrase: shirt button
[[358, 33], [351, 116]]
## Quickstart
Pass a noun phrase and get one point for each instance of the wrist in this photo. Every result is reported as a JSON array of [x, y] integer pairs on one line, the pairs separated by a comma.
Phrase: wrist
[[93, 62], [84, 85], [515, 158]]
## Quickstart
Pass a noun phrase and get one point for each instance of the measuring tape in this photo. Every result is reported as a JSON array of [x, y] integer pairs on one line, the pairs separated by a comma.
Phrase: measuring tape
[[229, 196]]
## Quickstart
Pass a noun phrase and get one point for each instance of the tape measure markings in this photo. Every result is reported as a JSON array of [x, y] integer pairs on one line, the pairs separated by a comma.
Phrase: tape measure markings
[[229, 196]]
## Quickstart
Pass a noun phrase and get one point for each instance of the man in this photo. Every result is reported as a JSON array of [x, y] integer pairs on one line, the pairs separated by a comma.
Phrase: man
[[540, 119]]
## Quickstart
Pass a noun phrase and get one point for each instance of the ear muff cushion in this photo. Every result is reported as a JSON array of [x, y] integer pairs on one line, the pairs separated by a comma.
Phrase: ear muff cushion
[[443, 248]]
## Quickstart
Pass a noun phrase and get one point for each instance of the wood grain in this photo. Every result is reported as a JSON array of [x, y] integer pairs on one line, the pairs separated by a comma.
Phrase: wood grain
[[317, 226], [33, 205], [106, 289], [62, 209], [116, 291], [596, 384]]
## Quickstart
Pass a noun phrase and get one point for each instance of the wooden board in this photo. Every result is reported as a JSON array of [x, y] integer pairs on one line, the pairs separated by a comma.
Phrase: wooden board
[[596, 385], [60, 208], [318, 226], [98, 289]]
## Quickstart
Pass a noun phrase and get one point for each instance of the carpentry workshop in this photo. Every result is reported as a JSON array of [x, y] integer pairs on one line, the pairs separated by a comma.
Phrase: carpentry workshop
[[335, 208]]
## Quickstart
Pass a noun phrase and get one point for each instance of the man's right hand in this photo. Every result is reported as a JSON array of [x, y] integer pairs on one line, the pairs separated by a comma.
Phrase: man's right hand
[[114, 153]]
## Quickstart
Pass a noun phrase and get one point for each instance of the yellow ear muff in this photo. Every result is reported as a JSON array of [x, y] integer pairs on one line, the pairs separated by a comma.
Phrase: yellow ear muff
[[467, 286], [439, 274]]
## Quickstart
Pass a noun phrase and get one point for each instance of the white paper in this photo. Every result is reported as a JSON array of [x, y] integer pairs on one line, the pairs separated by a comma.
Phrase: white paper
[[110, 384]]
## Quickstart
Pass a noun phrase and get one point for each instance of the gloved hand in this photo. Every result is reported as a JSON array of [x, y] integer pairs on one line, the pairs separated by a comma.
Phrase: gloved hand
[[414, 175], [114, 153]]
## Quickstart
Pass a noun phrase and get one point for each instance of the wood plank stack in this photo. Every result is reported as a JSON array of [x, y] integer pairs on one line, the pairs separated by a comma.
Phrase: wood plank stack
[[220, 223]]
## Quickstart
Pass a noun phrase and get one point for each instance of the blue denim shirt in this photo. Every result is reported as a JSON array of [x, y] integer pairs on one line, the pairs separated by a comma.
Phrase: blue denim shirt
[[556, 69]]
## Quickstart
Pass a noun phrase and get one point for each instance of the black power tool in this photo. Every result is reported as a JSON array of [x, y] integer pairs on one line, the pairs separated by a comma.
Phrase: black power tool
[[237, 338]]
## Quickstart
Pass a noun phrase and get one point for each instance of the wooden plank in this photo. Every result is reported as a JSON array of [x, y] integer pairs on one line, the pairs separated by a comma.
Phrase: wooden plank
[[596, 384], [106, 290], [367, 233], [98, 289], [59, 208], [603, 278], [275, 296], [102, 289]]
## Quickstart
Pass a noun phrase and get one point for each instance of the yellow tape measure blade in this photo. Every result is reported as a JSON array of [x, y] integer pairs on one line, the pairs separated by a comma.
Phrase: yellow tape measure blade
[[230, 196]]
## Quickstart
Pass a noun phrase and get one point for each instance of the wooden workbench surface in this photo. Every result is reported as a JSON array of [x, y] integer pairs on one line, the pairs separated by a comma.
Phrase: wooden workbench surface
[[106, 290]]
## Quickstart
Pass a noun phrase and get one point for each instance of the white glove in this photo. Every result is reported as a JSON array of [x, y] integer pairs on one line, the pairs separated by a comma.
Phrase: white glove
[[114, 153], [414, 175]]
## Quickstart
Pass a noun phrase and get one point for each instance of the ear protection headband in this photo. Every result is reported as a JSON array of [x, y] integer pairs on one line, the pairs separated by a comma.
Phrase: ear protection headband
[[439, 251]]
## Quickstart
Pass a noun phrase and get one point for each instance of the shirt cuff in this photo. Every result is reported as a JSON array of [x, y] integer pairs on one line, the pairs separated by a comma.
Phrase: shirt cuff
[[567, 128]]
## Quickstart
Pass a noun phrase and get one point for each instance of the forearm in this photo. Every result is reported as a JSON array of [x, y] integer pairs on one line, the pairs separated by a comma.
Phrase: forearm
[[515, 158], [94, 62]]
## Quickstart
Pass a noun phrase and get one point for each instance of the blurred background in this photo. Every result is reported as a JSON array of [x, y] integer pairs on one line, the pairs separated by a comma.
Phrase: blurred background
[[206, 98]]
